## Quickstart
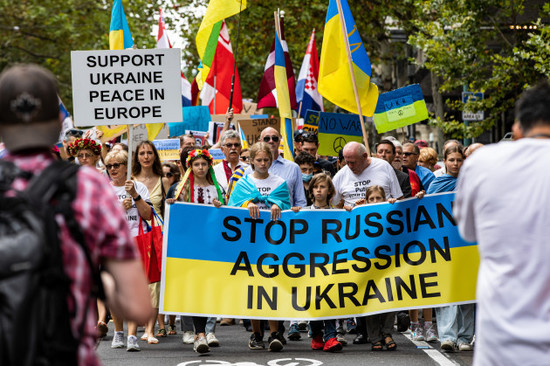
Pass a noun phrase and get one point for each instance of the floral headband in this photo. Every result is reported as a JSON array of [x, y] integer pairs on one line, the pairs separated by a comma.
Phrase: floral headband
[[195, 154], [83, 144]]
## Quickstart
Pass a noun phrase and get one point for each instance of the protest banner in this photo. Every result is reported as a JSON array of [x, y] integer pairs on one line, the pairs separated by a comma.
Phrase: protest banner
[[311, 121], [194, 118], [315, 264], [168, 149], [200, 136], [336, 130], [139, 134], [126, 86], [400, 108], [252, 128]]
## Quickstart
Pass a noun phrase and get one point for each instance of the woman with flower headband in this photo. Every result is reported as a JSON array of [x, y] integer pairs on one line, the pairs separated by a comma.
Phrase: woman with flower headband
[[262, 191], [87, 151], [199, 185]]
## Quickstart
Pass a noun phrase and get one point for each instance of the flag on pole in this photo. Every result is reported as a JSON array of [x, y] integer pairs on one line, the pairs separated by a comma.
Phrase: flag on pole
[[334, 75], [120, 37], [244, 141], [209, 30], [267, 96], [306, 87], [216, 90], [164, 42], [283, 99], [195, 92]]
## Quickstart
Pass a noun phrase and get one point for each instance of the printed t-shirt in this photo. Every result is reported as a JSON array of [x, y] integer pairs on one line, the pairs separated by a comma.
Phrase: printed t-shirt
[[132, 215], [265, 186]]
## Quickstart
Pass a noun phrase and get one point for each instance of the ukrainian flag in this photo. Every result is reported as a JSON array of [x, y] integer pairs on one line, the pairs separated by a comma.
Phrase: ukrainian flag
[[283, 100], [120, 37], [334, 74], [244, 141]]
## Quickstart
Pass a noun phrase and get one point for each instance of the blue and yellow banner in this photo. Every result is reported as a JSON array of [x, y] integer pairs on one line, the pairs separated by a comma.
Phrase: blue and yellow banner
[[315, 264], [120, 37], [400, 108], [336, 130]]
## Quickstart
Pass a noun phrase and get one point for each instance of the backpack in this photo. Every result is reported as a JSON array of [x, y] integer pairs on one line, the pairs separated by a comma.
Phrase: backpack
[[35, 322]]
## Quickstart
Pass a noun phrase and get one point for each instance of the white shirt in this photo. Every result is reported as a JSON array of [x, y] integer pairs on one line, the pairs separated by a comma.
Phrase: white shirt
[[503, 203], [266, 186], [132, 215], [352, 187], [219, 171]]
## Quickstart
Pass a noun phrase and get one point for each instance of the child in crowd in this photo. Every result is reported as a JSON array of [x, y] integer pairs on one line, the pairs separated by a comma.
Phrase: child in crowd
[[306, 163], [379, 326], [321, 192], [199, 185]]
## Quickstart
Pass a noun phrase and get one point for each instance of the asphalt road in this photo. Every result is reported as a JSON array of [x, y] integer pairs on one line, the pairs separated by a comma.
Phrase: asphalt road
[[233, 351]]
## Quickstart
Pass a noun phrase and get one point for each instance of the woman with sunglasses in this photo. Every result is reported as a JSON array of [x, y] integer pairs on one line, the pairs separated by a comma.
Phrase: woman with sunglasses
[[171, 173], [134, 198], [86, 151]]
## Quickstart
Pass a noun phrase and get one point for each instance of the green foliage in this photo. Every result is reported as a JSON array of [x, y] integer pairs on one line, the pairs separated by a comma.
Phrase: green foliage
[[45, 31]]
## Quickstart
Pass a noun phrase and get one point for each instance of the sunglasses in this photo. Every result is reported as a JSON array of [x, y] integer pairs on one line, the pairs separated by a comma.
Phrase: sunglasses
[[74, 133], [115, 165], [244, 158], [272, 138], [409, 153], [235, 145], [169, 174]]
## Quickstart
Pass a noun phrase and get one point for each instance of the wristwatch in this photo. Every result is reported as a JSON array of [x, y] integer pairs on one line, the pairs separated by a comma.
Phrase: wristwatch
[[137, 198]]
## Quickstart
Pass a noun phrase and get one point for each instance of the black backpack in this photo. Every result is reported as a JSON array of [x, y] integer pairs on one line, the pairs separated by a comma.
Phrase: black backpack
[[34, 316]]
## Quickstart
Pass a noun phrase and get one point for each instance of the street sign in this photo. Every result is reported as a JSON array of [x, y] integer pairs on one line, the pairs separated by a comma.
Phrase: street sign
[[469, 115]]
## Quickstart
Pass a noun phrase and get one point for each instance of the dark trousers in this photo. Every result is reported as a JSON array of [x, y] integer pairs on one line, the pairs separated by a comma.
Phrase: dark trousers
[[379, 326]]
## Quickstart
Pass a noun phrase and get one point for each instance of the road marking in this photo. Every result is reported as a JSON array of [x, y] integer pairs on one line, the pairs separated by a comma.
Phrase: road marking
[[440, 358]]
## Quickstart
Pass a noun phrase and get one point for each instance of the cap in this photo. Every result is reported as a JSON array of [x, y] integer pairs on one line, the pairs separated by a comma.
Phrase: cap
[[29, 107], [421, 143], [298, 133]]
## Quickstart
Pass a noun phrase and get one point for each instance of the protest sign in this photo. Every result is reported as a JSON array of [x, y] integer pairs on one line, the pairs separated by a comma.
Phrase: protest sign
[[168, 149], [252, 128], [336, 130], [315, 264], [311, 121], [194, 118], [126, 86], [399, 108], [200, 136], [139, 134]]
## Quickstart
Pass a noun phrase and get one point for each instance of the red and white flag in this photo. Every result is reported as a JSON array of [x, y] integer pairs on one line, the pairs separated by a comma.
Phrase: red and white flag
[[164, 42], [267, 96], [216, 90]]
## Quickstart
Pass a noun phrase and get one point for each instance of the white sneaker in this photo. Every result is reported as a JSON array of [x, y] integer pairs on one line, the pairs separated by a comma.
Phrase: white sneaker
[[201, 346], [448, 346], [212, 340], [133, 345], [429, 332], [188, 337], [465, 347], [417, 332], [118, 340]]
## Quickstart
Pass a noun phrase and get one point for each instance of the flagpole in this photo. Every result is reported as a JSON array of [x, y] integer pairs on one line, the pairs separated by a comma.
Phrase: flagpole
[[350, 63], [235, 54], [130, 148]]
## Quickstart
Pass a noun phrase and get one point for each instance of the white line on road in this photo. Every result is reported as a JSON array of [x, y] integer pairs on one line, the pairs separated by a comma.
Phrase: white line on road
[[440, 358]]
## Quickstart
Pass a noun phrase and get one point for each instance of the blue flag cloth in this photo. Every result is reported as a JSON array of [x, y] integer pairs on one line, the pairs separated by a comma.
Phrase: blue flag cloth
[[444, 183], [245, 190]]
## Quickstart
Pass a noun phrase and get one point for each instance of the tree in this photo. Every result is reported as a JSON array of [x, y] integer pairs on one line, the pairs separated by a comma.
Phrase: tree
[[475, 45], [45, 31]]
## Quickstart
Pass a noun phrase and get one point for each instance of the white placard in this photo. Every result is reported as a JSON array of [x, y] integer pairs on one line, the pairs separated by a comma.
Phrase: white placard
[[126, 86]]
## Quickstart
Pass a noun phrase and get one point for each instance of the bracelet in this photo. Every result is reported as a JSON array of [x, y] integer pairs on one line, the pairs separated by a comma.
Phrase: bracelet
[[137, 198]]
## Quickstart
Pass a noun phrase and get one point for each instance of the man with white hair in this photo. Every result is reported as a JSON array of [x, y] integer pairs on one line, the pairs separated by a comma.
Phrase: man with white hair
[[230, 143], [362, 171]]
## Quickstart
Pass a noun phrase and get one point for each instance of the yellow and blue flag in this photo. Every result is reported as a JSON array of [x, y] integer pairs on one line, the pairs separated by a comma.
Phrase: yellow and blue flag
[[283, 100], [244, 141], [209, 31], [399, 108], [120, 37], [334, 74]]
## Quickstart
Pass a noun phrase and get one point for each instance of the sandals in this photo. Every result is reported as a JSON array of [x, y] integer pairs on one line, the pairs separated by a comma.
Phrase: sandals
[[172, 329], [102, 329], [161, 332], [152, 340], [377, 346], [390, 345]]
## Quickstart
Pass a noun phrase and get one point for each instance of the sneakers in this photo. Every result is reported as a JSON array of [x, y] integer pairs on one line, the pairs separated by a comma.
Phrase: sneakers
[[341, 338], [317, 343], [188, 337], [429, 332], [275, 343], [294, 332], [256, 342], [200, 345], [465, 347], [351, 326], [118, 340], [302, 326], [403, 321], [417, 332], [212, 340], [133, 345], [448, 346], [332, 345]]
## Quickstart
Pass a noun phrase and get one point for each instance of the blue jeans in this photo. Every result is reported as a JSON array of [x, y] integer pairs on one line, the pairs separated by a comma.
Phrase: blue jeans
[[456, 323], [317, 328]]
